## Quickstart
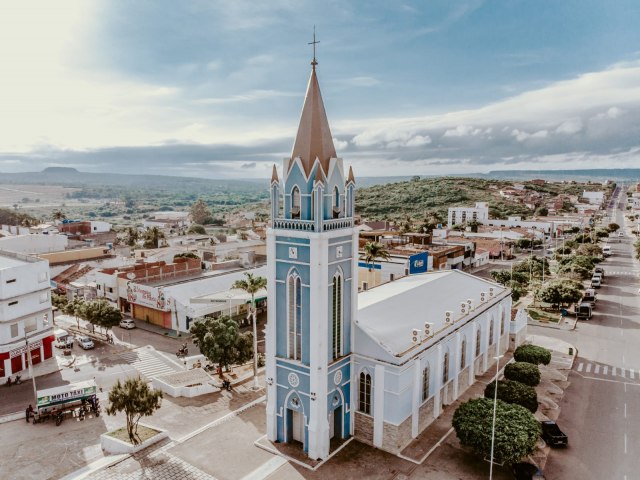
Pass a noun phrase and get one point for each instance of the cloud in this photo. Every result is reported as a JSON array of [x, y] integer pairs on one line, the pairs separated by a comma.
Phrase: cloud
[[248, 165], [340, 144], [251, 96], [570, 127], [461, 131], [362, 81], [418, 141]]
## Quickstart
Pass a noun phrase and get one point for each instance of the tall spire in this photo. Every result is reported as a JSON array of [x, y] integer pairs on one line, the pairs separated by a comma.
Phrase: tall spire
[[314, 138]]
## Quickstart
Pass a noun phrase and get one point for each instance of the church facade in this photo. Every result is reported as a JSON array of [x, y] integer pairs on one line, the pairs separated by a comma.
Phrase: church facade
[[378, 365]]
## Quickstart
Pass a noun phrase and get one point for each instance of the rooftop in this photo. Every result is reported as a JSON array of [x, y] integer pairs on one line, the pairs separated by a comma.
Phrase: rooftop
[[421, 298]]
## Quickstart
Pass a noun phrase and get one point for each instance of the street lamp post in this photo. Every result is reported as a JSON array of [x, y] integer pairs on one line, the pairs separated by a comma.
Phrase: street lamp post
[[33, 379], [493, 422]]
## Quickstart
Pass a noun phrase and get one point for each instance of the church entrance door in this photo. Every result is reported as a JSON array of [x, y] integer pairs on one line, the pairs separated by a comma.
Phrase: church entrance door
[[335, 422], [297, 426]]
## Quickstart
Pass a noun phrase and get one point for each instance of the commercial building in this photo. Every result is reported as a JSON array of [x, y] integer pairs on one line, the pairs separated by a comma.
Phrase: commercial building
[[462, 215], [25, 312]]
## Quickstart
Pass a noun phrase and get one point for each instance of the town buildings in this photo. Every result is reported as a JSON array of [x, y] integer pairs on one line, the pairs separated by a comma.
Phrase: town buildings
[[26, 329]]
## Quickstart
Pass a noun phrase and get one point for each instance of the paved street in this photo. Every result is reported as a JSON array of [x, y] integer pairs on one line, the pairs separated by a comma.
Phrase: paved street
[[601, 408]]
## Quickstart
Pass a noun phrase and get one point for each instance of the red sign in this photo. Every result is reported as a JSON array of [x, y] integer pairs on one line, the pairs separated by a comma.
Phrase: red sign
[[23, 349]]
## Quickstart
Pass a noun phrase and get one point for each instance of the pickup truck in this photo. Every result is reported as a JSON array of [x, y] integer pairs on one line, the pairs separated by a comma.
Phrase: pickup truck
[[552, 434]]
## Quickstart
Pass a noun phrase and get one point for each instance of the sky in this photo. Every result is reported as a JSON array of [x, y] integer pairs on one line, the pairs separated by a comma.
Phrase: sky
[[215, 88]]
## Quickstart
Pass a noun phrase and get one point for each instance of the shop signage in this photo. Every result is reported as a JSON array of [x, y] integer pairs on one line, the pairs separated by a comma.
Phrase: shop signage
[[23, 349], [418, 263], [147, 296], [67, 396]]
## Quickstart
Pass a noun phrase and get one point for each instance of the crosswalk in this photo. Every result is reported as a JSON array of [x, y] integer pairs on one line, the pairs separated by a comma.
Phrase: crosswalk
[[148, 362], [588, 368], [625, 272]]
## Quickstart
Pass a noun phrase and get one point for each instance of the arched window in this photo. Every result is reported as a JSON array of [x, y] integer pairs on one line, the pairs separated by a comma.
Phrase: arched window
[[502, 322], [295, 202], [364, 397], [337, 315], [425, 383], [445, 368], [478, 339], [491, 332], [295, 316], [463, 354], [336, 202]]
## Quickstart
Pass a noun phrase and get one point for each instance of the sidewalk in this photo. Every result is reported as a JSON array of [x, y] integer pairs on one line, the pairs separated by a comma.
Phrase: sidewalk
[[431, 438]]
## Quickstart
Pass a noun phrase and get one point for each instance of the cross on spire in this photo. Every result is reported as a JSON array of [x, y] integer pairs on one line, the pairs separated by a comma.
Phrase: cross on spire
[[314, 62]]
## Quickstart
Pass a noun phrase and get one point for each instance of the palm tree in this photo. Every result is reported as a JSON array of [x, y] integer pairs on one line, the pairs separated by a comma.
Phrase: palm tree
[[252, 285], [152, 237], [59, 215], [132, 236], [373, 251]]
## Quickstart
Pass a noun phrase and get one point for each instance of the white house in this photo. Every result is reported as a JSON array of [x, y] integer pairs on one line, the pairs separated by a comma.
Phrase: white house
[[460, 215], [594, 198], [25, 312]]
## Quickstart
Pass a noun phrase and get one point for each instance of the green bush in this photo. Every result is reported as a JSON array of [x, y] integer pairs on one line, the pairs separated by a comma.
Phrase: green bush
[[532, 354], [516, 429], [523, 372], [514, 392]]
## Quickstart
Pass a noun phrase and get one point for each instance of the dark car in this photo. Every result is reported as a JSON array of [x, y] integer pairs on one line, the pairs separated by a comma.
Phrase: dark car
[[552, 434], [526, 471]]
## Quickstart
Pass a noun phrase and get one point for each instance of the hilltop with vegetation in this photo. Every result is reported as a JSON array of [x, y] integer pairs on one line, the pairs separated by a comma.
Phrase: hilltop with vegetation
[[423, 197]]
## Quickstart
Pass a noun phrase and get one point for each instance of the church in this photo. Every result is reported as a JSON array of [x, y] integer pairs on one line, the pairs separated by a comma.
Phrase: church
[[380, 364]]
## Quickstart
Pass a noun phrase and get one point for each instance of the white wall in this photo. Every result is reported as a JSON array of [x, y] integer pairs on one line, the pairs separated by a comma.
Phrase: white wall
[[34, 244]]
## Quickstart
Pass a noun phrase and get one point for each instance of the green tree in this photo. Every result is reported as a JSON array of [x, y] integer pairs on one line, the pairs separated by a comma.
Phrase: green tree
[[101, 313], [522, 372], [76, 308], [131, 236], [199, 229], [560, 292], [636, 246], [200, 212], [589, 250], [541, 212], [219, 339], [532, 354], [514, 392], [136, 400], [563, 250], [152, 237], [253, 285], [516, 429], [374, 251], [59, 215], [504, 277]]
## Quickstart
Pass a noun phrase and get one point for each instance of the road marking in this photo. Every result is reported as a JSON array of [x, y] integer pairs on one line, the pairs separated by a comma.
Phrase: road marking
[[625, 410], [622, 373], [597, 369], [589, 368], [632, 373], [625, 443], [613, 371]]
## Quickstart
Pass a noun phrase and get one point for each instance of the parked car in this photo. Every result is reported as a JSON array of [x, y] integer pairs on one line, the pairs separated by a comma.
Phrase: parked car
[[584, 311], [127, 323], [86, 343], [606, 251], [526, 471], [590, 297], [621, 234], [596, 282], [552, 434], [599, 270], [63, 338]]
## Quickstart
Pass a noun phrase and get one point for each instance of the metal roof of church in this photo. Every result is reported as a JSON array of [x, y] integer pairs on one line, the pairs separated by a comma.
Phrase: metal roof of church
[[389, 312], [314, 138]]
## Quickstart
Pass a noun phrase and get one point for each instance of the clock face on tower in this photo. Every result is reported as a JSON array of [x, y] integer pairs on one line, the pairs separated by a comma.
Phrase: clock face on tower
[[293, 253]]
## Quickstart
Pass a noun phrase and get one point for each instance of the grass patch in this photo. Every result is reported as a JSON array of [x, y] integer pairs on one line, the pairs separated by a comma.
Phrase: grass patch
[[145, 433], [542, 316]]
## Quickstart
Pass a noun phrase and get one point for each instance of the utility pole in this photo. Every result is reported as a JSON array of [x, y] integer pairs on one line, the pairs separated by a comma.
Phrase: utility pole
[[33, 379]]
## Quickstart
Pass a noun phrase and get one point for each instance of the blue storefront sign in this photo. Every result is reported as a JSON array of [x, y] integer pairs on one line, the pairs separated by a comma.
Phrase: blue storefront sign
[[418, 263], [377, 266]]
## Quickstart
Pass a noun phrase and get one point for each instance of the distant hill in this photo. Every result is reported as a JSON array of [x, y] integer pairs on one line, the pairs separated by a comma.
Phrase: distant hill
[[419, 198], [71, 177]]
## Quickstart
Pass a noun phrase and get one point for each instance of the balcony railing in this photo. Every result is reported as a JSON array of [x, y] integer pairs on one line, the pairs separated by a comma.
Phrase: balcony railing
[[310, 225]]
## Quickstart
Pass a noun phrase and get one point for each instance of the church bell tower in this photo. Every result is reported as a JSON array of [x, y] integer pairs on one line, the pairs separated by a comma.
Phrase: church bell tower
[[312, 250]]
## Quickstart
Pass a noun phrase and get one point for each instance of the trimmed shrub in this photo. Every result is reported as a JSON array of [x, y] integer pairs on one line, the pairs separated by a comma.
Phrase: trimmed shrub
[[516, 432], [523, 372], [532, 354], [514, 392]]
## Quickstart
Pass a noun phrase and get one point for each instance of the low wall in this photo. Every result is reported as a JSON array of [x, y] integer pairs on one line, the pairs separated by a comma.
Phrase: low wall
[[115, 446]]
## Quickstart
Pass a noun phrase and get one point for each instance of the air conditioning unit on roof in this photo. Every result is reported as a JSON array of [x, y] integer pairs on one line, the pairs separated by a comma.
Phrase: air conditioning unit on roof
[[428, 330], [415, 335]]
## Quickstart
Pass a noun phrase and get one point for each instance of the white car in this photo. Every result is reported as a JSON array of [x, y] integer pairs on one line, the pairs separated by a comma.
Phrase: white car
[[86, 343], [127, 323], [621, 234]]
